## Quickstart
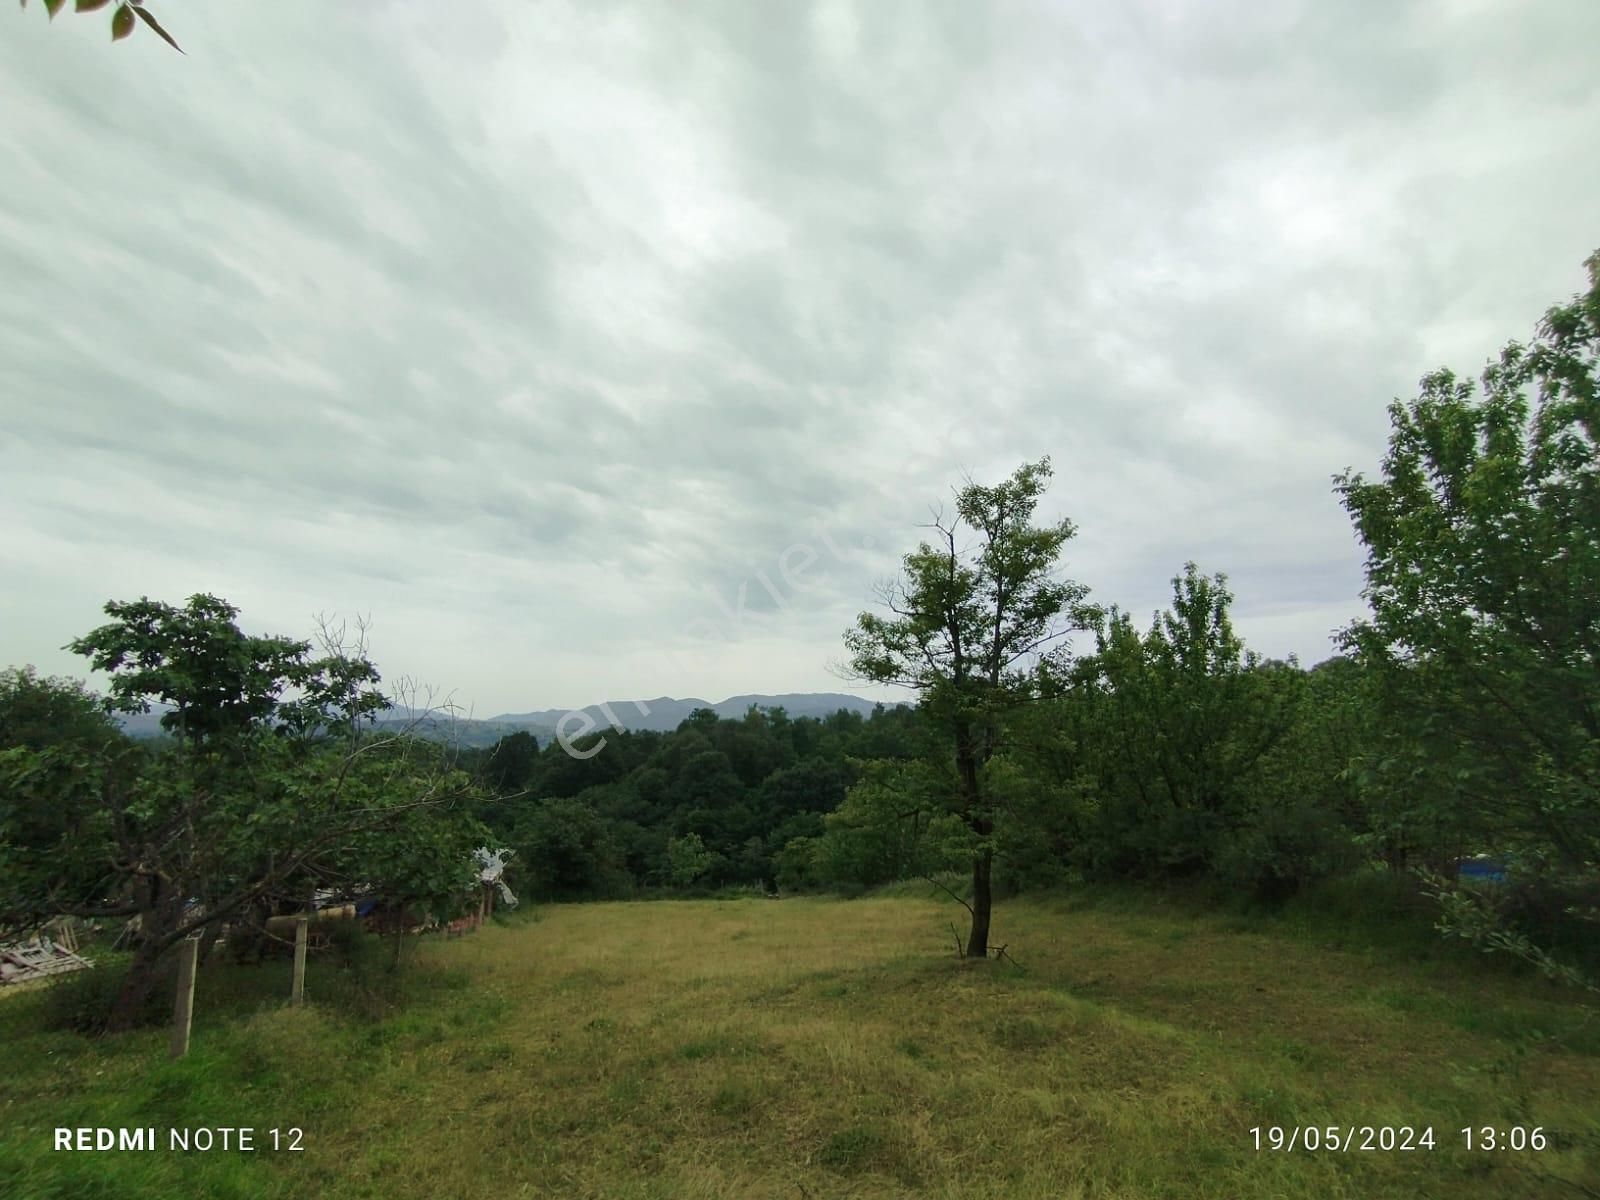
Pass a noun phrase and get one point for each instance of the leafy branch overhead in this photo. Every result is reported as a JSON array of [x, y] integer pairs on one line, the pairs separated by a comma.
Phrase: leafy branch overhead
[[122, 20]]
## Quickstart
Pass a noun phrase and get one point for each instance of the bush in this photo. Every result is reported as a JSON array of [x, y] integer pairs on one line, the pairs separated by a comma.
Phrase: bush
[[1285, 847], [566, 851], [1555, 911], [352, 947], [82, 1001], [796, 865]]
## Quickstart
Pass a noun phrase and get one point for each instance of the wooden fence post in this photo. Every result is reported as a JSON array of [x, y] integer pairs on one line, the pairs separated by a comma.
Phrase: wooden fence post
[[297, 995], [183, 1004]]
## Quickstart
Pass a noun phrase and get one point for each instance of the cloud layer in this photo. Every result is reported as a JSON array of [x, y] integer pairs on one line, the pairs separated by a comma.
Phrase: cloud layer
[[540, 331]]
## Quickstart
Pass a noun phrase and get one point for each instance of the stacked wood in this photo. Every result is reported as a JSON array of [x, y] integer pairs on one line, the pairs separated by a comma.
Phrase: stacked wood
[[39, 958]]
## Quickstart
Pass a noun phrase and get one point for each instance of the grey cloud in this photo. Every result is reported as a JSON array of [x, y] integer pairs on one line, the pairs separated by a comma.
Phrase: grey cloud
[[541, 334]]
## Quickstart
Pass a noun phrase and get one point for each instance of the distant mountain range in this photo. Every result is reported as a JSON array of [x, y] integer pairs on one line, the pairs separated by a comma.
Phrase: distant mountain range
[[662, 714]]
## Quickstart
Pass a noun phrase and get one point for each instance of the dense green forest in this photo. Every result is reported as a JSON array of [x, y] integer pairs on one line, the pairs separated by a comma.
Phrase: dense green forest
[[1054, 739]]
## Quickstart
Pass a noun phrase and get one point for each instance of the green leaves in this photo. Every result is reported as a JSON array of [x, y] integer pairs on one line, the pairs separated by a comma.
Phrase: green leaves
[[964, 623], [221, 682], [688, 859], [1171, 728], [121, 23], [1483, 541]]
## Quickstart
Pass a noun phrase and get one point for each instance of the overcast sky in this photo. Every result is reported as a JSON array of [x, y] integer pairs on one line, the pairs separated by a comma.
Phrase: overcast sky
[[539, 331]]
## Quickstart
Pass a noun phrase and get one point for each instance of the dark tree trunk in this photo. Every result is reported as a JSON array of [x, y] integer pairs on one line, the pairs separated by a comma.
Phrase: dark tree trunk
[[982, 902], [137, 987], [971, 803], [208, 939]]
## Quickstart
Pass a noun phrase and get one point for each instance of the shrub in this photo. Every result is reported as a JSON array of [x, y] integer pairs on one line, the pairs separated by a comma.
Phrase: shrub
[[1284, 847], [82, 1001]]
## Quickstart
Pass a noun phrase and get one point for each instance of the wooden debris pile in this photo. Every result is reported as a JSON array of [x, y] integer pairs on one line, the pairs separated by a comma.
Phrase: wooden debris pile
[[40, 958]]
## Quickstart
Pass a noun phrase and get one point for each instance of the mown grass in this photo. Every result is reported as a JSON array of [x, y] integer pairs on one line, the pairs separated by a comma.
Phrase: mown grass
[[822, 1048]]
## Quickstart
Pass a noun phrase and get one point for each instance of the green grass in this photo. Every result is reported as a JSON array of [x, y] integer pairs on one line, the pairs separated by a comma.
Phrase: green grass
[[820, 1048]]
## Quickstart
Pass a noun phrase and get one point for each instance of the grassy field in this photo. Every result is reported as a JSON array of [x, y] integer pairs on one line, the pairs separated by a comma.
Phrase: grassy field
[[820, 1048]]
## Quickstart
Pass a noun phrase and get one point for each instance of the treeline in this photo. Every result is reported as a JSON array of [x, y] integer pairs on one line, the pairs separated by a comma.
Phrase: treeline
[[1171, 753], [712, 804]]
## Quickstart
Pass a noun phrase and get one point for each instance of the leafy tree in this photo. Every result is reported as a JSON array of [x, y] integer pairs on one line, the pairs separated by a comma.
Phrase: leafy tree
[[122, 18], [567, 851], [220, 682], [892, 825], [1181, 720], [751, 748], [688, 860], [1310, 812], [36, 713], [256, 802], [54, 733], [1483, 568], [813, 786], [510, 763], [964, 628], [420, 861], [794, 865]]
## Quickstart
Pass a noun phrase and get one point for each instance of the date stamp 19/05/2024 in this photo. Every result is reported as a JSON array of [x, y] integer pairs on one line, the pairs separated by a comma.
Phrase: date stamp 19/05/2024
[[202, 1138], [1397, 1138]]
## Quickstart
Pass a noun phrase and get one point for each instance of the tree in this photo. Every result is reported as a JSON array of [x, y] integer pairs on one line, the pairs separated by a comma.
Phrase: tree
[[36, 713], [221, 683], [1180, 720], [890, 827], [510, 763], [272, 788], [688, 860], [566, 851], [966, 626], [1483, 568], [48, 819], [122, 18]]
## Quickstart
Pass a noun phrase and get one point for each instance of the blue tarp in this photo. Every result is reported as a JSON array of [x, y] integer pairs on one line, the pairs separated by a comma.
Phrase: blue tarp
[[1488, 870]]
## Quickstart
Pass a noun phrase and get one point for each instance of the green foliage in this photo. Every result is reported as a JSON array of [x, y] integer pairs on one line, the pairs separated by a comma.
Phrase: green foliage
[[270, 789], [1173, 727], [416, 854], [892, 825], [1483, 563], [221, 682], [1488, 920], [508, 768], [37, 713], [796, 865], [965, 631], [566, 851], [58, 749], [86, 1001], [688, 860]]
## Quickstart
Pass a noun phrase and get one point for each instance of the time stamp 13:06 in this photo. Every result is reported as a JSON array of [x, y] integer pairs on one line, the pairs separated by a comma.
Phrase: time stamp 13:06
[[1284, 1139], [1350, 1138]]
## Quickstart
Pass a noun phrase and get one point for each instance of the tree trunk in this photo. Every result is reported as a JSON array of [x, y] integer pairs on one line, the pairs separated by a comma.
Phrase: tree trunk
[[978, 822], [137, 987], [208, 938], [982, 902]]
